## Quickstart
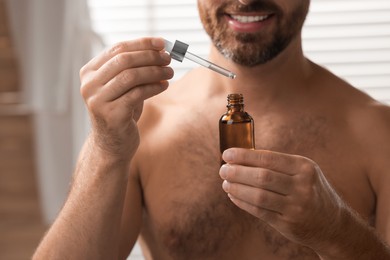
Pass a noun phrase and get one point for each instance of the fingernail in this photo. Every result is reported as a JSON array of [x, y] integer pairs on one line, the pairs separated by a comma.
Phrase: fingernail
[[223, 171], [158, 43], [164, 84], [227, 155], [226, 186], [168, 72], [165, 56]]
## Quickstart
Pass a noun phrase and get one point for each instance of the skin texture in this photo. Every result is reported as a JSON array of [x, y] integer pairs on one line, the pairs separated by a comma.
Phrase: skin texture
[[315, 187]]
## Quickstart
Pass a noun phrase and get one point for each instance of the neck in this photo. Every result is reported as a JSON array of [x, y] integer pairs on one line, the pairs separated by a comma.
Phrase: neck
[[279, 78]]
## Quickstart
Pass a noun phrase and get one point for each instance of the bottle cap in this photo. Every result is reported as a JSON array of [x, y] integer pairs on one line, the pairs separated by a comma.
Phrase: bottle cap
[[177, 50]]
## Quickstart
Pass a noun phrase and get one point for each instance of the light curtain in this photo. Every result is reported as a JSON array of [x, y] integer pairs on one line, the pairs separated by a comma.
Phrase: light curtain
[[53, 41]]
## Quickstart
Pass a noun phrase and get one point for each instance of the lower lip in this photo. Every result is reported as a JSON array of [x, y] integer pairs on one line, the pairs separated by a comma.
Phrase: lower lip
[[248, 27]]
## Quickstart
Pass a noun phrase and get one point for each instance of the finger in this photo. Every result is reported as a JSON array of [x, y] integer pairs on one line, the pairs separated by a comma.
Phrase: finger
[[151, 43], [128, 79], [128, 60], [140, 93], [265, 215], [257, 177], [256, 197], [281, 162]]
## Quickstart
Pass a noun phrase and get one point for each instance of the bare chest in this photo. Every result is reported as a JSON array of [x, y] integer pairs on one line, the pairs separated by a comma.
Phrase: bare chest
[[187, 214]]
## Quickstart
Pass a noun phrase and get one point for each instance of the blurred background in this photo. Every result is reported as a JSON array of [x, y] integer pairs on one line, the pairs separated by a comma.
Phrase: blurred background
[[43, 122]]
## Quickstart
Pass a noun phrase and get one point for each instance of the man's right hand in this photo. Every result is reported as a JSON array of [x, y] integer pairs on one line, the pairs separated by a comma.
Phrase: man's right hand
[[114, 85]]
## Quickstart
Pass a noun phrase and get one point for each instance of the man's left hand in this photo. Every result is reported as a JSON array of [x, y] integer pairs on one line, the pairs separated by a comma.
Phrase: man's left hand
[[288, 192]]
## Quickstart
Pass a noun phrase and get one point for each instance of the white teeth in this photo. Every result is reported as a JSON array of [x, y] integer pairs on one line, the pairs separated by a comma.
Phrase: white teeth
[[249, 19]]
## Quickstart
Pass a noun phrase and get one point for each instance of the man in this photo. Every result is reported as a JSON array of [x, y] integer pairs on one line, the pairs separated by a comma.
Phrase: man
[[314, 188]]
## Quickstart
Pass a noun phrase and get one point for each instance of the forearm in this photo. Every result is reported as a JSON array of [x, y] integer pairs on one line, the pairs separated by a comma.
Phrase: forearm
[[88, 225], [354, 239]]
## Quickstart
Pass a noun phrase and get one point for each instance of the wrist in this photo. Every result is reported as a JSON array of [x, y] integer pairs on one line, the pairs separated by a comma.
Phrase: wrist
[[337, 242], [96, 164], [352, 238], [112, 149], [98, 157]]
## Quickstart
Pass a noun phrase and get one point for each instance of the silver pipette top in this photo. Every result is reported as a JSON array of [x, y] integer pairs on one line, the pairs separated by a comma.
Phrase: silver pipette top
[[178, 51]]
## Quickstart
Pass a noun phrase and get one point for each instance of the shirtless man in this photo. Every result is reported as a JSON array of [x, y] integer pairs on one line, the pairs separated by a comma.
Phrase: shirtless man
[[316, 187]]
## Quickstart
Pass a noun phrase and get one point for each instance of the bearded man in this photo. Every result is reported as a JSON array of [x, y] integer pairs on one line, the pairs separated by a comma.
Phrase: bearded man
[[315, 187]]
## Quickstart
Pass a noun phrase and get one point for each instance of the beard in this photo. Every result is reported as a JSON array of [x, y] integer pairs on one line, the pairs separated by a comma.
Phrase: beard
[[252, 49]]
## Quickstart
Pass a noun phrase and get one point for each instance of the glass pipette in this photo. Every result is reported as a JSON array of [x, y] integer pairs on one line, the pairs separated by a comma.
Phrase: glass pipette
[[178, 51]]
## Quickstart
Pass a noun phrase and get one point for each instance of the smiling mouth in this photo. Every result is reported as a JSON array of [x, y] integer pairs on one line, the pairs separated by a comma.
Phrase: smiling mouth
[[249, 18]]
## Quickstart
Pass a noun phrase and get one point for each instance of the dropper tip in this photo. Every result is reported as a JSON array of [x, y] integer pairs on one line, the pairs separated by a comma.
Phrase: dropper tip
[[232, 75]]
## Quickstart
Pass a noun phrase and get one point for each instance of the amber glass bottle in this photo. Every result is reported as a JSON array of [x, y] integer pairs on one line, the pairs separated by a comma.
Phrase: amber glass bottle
[[236, 127]]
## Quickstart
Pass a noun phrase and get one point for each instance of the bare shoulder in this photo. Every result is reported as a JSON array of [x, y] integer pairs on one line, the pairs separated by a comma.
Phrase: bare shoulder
[[338, 91], [370, 120], [179, 94], [162, 111], [367, 120], [372, 125]]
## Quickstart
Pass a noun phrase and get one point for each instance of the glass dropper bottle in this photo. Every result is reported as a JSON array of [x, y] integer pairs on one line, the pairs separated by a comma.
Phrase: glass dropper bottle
[[236, 127]]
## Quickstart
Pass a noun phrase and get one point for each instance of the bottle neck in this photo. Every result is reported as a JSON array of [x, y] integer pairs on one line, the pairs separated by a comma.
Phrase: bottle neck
[[235, 108], [235, 103]]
